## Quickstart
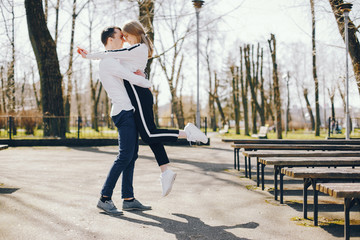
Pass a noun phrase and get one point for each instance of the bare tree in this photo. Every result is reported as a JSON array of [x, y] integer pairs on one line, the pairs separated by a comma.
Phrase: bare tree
[[57, 8], [70, 70], [217, 99], [308, 106], [244, 93], [46, 10], [235, 92], [354, 44], [212, 111], [49, 71], [342, 93], [37, 99], [146, 18], [3, 90], [331, 92], [277, 99], [10, 34], [316, 81]]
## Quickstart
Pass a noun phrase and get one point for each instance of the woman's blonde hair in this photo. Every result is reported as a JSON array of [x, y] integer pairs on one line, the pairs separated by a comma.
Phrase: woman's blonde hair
[[135, 28]]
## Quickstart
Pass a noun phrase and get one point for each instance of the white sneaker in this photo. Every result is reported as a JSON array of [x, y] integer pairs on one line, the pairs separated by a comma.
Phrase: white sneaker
[[194, 134], [167, 179]]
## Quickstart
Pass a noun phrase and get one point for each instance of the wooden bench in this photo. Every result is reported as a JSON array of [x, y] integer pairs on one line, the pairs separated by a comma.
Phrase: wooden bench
[[272, 147], [262, 133], [312, 176], [292, 141], [287, 153], [280, 163], [351, 194]]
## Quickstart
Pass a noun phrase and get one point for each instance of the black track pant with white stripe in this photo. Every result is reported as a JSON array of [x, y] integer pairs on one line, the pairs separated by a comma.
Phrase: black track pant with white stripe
[[142, 100]]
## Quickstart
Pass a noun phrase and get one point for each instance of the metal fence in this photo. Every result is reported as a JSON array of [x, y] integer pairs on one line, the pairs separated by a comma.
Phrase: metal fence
[[33, 127]]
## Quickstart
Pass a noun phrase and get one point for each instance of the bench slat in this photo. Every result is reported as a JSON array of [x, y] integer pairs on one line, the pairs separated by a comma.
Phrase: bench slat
[[338, 173], [340, 190]]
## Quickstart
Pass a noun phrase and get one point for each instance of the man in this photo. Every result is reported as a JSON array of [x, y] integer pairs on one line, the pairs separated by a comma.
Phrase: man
[[111, 74]]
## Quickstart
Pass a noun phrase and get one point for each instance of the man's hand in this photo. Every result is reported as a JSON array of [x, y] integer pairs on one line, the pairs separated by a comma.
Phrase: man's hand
[[140, 73], [82, 52]]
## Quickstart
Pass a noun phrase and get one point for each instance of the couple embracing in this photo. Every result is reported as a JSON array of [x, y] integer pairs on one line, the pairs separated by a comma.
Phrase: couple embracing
[[121, 72]]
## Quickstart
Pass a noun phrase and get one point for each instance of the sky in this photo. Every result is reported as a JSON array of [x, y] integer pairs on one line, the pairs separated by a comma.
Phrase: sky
[[238, 22]]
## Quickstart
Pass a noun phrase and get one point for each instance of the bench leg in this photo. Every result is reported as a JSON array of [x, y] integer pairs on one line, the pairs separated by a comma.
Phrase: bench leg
[[249, 159], [262, 176], [246, 174], [281, 187], [316, 205], [276, 182], [306, 185], [238, 159], [257, 172], [348, 204], [234, 158]]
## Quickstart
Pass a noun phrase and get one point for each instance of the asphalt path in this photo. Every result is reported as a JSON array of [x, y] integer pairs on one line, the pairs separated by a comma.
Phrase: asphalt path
[[52, 192]]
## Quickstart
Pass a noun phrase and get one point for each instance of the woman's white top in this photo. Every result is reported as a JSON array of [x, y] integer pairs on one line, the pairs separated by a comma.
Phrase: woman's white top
[[117, 65]]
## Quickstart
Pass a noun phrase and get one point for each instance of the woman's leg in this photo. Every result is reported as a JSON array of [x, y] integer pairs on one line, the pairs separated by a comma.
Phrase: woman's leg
[[142, 100]]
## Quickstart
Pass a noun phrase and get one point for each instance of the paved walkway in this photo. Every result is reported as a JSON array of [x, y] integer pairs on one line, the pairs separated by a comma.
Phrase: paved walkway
[[51, 193]]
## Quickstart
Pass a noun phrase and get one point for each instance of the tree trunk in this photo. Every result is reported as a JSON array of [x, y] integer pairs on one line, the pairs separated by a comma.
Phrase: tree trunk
[[37, 99], [49, 71], [146, 18], [277, 99], [57, 20], [3, 90], [332, 101], [70, 71], [309, 109], [156, 104], [342, 95], [10, 92], [212, 112], [354, 45], [46, 10], [235, 92], [316, 81], [22, 99], [244, 89], [217, 100], [262, 92], [77, 96]]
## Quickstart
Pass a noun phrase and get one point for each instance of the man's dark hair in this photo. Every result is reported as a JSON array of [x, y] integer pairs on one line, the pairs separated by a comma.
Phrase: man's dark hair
[[108, 32]]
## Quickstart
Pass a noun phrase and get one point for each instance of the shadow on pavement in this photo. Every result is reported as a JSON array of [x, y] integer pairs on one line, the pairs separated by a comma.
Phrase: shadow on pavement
[[194, 228], [8, 190], [338, 230]]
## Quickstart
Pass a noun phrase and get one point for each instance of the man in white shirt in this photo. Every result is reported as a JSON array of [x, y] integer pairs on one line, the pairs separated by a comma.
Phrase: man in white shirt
[[111, 75]]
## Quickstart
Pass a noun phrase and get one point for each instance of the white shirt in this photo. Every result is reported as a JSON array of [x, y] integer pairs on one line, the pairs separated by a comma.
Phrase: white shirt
[[112, 72]]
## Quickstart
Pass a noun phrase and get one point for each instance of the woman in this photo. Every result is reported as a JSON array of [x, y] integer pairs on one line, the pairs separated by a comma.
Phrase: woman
[[135, 57]]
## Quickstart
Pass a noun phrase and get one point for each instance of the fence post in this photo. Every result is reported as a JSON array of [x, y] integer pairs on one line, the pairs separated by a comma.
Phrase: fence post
[[205, 125], [329, 127], [10, 126], [79, 126]]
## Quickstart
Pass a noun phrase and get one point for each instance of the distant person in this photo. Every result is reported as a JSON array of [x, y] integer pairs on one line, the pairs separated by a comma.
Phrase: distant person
[[135, 57]]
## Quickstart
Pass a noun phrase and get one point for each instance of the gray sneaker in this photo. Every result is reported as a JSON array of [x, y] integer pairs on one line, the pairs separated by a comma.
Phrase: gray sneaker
[[109, 207], [134, 205]]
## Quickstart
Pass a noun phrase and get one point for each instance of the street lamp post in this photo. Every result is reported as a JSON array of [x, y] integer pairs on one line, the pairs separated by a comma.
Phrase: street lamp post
[[346, 8], [197, 4]]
